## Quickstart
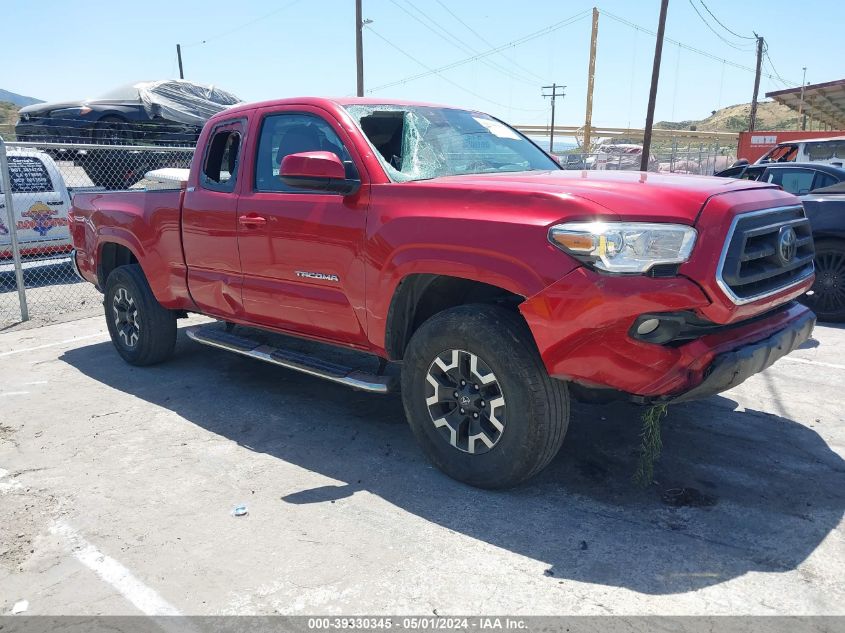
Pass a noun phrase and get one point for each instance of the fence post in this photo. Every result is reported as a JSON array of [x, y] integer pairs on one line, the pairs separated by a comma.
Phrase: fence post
[[6, 182], [672, 155]]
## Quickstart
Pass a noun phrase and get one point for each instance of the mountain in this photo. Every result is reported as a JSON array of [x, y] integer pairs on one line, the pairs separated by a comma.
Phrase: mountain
[[770, 116], [18, 100]]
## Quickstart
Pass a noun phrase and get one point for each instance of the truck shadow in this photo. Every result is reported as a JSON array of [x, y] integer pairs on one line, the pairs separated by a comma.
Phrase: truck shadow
[[737, 491]]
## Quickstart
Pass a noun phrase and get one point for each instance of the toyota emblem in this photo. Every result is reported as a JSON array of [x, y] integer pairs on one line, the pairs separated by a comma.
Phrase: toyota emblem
[[787, 244]]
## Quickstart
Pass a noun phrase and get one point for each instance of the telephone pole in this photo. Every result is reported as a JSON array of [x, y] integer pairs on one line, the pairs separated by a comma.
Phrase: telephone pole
[[652, 93], [591, 80], [753, 121], [359, 46], [179, 56], [801, 112], [553, 94]]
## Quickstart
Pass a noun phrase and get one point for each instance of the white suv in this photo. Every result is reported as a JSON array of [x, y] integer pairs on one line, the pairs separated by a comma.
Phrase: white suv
[[830, 151]]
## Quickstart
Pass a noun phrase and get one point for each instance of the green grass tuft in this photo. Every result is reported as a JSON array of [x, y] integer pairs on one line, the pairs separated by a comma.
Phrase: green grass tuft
[[651, 444]]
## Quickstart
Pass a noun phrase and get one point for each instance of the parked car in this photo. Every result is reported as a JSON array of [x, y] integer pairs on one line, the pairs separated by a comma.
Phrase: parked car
[[822, 191], [40, 202], [620, 156], [447, 240], [826, 210], [829, 151], [572, 161], [166, 112]]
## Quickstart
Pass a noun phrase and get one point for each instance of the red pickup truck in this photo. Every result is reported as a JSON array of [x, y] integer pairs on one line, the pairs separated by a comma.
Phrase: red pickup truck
[[446, 241]]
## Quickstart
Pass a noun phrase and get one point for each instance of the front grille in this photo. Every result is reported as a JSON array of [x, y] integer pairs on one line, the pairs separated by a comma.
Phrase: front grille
[[758, 259]]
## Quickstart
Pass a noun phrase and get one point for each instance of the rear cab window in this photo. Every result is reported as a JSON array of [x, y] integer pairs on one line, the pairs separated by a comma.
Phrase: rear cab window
[[222, 158]]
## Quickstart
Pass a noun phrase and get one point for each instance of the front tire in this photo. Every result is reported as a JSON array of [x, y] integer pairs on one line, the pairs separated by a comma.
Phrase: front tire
[[478, 398], [142, 331]]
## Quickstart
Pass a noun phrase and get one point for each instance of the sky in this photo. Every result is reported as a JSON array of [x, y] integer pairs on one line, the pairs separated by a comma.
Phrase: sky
[[264, 49]]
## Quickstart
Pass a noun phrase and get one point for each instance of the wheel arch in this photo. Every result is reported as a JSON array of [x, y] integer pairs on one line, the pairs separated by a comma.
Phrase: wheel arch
[[113, 254], [419, 296]]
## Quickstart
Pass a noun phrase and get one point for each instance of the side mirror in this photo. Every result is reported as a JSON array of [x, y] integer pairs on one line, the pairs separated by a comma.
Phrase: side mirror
[[322, 171]]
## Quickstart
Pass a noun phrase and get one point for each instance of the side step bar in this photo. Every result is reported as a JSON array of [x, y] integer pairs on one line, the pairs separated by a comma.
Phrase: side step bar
[[356, 379]]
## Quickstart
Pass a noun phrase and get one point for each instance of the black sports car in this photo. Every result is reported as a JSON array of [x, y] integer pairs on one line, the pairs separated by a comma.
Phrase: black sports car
[[167, 112], [821, 188], [171, 111]]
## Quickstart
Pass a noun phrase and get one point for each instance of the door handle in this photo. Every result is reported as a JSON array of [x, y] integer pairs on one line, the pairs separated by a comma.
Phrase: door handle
[[252, 220]]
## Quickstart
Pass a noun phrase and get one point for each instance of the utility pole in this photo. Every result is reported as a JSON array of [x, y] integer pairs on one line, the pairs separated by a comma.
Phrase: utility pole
[[179, 56], [753, 121], [553, 94], [652, 93], [359, 46], [801, 109], [591, 80]]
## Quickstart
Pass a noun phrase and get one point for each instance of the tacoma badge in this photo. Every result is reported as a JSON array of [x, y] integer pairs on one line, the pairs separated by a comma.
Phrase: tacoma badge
[[323, 276]]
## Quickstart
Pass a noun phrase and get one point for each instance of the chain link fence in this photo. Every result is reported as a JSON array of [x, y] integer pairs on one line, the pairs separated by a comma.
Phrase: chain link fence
[[37, 183], [701, 161]]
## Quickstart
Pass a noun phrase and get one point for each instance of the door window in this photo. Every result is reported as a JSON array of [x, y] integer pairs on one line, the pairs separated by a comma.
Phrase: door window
[[284, 134], [221, 161], [795, 181]]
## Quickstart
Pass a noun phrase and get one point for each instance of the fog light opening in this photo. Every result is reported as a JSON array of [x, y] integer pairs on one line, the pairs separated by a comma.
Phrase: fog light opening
[[648, 326]]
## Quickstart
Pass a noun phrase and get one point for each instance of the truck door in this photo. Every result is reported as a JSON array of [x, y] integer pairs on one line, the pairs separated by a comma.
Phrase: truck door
[[209, 224], [300, 249]]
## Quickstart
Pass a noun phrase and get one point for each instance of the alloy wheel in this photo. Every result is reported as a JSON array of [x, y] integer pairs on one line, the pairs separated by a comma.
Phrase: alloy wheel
[[465, 401], [829, 288], [126, 317]]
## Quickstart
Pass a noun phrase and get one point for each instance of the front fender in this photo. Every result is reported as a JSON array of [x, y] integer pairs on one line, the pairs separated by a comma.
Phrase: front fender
[[493, 268]]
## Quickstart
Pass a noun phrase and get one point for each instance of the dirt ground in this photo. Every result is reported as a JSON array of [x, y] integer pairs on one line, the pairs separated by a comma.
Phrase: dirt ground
[[117, 486]]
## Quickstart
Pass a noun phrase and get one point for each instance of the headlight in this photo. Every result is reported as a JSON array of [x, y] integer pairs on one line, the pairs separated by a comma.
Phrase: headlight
[[624, 247]]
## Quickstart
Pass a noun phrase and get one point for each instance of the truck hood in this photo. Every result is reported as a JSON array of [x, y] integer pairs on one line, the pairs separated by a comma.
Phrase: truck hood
[[628, 194]]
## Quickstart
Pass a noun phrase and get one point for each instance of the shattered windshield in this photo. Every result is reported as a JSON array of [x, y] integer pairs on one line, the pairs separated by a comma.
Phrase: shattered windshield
[[421, 142]]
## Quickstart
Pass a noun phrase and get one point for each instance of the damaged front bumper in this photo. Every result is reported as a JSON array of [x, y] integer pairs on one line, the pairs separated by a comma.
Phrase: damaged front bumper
[[583, 329], [731, 368]]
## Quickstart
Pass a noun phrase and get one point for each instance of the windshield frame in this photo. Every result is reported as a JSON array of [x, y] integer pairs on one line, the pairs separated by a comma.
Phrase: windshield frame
[[387, 168]]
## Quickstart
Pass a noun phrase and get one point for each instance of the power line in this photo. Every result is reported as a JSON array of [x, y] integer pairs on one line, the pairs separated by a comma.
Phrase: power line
[[454, 41], [436, 71], [244, 25], [517, 42], [714, 31], [786, 83], [488, 43], [720, 23], [684, 46]]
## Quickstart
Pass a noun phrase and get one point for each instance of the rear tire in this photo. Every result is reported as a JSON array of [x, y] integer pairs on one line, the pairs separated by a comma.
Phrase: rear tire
[[509, 419], [142, 331], [828, 298]]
